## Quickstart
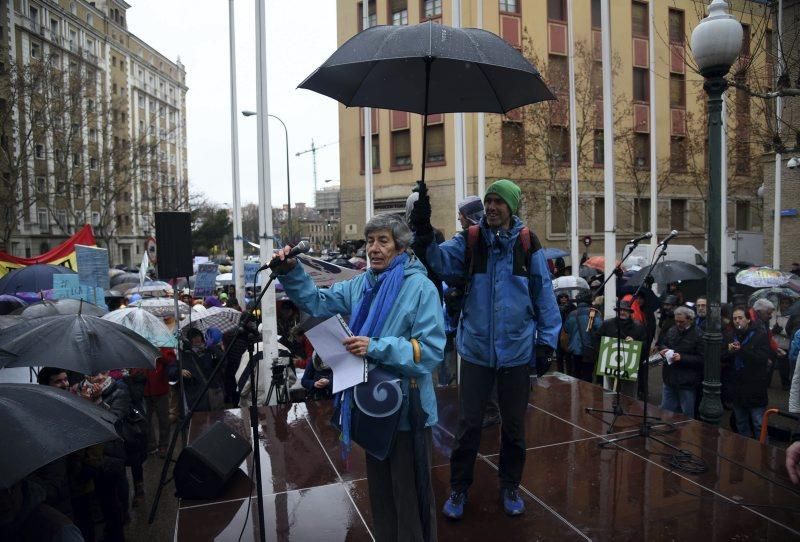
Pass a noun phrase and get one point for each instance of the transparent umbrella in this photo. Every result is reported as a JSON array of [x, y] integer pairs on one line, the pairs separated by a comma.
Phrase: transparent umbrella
[[145, 324]]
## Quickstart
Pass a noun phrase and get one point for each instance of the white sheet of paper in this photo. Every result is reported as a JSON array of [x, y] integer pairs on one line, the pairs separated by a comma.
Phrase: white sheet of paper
[[327, 337]]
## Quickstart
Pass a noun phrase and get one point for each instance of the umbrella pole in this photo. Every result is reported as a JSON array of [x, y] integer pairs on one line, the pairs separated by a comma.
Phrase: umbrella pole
[[428, 61]]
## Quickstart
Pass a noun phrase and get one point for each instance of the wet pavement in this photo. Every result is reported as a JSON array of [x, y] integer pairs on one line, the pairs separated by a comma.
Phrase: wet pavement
[[573, 488]]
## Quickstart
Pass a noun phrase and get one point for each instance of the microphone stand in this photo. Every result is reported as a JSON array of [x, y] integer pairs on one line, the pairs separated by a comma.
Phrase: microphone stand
[[646, 428], [247, 316], [617, 410]]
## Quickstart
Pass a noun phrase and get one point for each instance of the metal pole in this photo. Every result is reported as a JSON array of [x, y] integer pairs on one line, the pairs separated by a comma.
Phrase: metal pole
[[238, 242], [458, 133], [711, 405], [481, 129], [370, 208], [574, 241], [288, 179], [653, 131], [610, 233], [723, 198], [776, 230]]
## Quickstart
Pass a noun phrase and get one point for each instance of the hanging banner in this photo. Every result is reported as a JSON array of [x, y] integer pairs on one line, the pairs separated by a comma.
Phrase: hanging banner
[[92, 266], [622, 364], [63, 254]]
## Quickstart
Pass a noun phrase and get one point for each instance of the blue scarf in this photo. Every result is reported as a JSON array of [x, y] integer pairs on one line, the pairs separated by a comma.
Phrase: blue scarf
[[368, 319]]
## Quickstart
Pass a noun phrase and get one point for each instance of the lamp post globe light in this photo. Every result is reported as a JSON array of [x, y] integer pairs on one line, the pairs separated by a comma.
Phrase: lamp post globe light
[[715, 43]]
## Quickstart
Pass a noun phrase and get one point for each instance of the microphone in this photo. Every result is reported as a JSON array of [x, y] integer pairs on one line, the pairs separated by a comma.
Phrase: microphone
[[300, 248], [672, 235], [641, 238]]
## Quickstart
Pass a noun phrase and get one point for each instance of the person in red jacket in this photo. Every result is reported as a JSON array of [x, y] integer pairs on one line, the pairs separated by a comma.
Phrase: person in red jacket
[[156, 396]]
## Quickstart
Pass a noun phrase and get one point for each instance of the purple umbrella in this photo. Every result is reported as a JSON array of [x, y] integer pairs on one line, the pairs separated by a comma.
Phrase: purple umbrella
[[9, 303]]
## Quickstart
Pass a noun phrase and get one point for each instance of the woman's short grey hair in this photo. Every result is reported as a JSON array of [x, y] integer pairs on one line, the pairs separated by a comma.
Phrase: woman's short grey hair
[[686, 311], [763, 305], [394, 223]]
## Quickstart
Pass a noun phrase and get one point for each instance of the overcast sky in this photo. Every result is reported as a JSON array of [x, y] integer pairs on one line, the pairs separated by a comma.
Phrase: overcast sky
[[300, 36]]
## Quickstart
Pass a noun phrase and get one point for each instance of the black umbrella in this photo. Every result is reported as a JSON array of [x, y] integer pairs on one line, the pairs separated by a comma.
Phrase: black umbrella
[[123, 278], [33, 278], [668, 271], [41, 424], [8, 320], [86, 344], [60, 306], [428, 69], [10, 303]]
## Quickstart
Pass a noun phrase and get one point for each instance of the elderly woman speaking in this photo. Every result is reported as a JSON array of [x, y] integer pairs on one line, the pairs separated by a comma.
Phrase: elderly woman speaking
[[397, 319]]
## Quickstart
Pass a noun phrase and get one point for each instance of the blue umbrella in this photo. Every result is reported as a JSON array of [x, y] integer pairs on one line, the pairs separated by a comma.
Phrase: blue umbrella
[[33, 278], [553, 253]]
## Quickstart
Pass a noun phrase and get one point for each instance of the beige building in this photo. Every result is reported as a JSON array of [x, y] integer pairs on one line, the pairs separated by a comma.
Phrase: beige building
[[531, 145], [95, 123]]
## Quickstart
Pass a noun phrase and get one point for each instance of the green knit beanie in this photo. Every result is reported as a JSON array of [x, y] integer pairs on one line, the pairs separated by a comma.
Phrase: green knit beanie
[[507, 190]]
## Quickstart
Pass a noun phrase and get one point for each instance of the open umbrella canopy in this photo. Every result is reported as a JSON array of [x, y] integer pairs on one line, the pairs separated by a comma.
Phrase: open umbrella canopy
[[465, 69], [773, 293], [155, 288], [224, 278], [553, 253], [145, 324], [9, 320], [762, 277], [161, 306], [42, 424], [668, 271], [222, 318], [86, 344], [123, 278], [60, 306], [597, 262], [570, 283], [33, 278], [10, 303]]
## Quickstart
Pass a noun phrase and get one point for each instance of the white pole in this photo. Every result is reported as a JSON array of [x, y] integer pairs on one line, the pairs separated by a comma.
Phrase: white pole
[[370, 207], [268, 319], [610, 234], [481, 129], [458, 133], [574, 242], [776, 231], [653, 131], [238, 246], [723, 243]]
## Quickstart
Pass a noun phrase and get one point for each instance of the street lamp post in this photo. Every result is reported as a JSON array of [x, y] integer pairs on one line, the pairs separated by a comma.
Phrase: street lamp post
[[288, 179], [716, 42]]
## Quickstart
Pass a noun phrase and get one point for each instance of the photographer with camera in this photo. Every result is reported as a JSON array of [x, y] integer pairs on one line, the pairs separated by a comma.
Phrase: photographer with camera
[[509, 321]]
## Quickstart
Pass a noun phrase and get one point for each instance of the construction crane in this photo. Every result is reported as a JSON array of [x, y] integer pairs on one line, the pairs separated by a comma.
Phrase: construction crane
[[313, 150]]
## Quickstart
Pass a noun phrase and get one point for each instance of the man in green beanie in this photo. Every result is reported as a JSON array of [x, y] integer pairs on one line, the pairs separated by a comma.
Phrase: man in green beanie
[[509, 320]]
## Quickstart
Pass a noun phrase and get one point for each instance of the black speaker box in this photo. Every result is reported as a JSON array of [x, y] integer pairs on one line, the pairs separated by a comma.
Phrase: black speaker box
[[206, 465], [174, 238]]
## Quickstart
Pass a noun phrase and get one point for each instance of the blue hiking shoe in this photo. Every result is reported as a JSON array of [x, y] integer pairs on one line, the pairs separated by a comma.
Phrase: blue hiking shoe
[[512, 502], [454, 506]]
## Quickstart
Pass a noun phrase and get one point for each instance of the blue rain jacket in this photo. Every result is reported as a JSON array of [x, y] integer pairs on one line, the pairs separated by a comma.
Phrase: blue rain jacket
[[576, 324], [417, 314], [504, 315]]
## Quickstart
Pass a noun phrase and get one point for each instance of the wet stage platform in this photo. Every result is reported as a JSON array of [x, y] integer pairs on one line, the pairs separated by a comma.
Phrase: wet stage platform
[[573, 489]]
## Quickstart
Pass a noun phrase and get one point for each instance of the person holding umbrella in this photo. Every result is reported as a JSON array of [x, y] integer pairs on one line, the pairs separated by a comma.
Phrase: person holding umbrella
[[509, 321], [396, 316]]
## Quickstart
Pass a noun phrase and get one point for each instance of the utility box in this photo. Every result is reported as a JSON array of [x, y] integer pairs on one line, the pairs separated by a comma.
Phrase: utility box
[[744, 246]]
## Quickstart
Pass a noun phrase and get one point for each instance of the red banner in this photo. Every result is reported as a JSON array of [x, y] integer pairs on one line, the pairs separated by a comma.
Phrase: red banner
[[63, 254]]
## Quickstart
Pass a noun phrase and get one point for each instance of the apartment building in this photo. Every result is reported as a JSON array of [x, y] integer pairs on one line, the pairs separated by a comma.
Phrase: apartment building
[[94, 127], [531, 145]]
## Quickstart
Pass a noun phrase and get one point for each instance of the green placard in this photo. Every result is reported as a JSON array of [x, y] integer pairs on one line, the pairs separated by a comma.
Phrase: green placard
[[608, 362]]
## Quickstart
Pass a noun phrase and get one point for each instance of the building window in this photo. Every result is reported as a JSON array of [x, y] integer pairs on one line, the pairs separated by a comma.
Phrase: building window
[[76, 159], [92, 163], [559, 211], [372, 19], [599, 215], [401, 149], [558, 73], [95, 219], [38, 151], [556, 10], [79, 192], [641, 150], [60, 187], [41, 185], [513, 142], [62, 219], [641, 214], [509, 6], [677, 154], [376, 153], [677, 33], [431, 8], [596, 14], [435, 151], [36, 50], [677, 214], [599, 148], [745, 50], [639, 20], [641, 87], [559, 145], [677, 90], [399, 12], [43, 218], [92, 135]]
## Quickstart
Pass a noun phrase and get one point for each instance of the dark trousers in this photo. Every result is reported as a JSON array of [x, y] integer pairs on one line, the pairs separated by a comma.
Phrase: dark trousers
[[513, 387], [158, 405], [583, 365], [393, 493]]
